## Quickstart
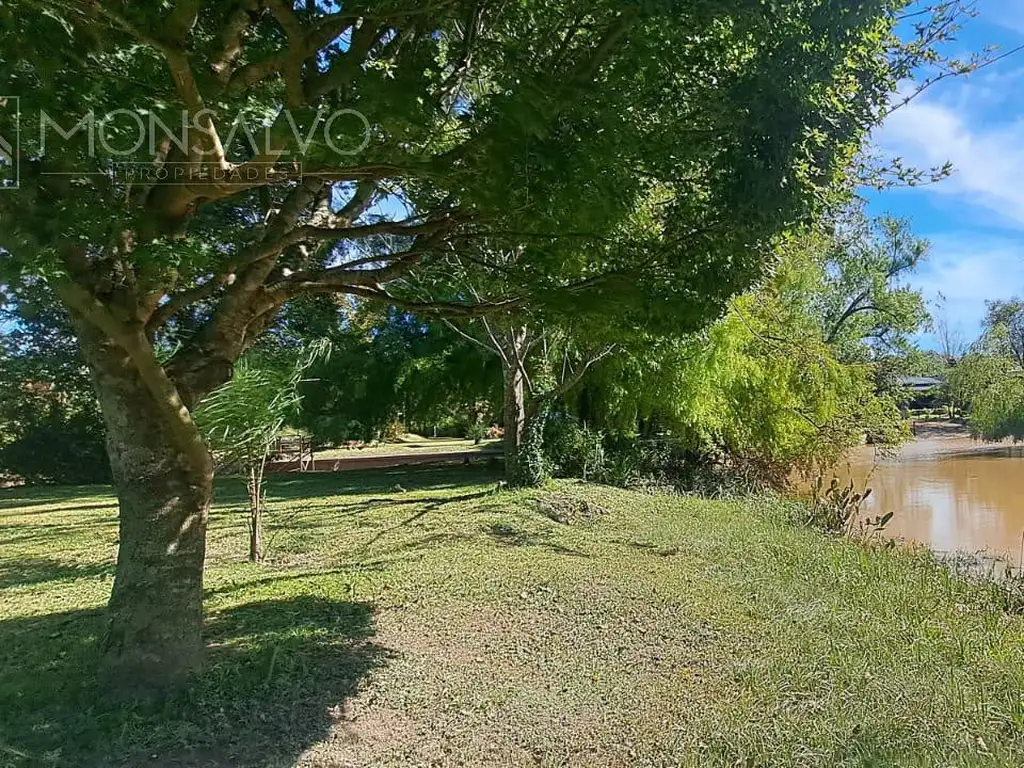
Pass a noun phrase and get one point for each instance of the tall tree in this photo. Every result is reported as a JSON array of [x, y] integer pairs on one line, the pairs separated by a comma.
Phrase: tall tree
[[543, 351], [539, 364], [1004, 328], [386, 366], [863, 299], [764, 387], [997, 410], [340, 149], [973, 375], [953, 344]]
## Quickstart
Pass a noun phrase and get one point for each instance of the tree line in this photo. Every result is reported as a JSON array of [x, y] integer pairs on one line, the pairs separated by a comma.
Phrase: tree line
[[984, 377], [797, 371]]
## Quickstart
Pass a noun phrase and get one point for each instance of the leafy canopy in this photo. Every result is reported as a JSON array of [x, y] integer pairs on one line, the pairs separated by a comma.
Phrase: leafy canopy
[[764, 385], [542, 123], [245, 417]]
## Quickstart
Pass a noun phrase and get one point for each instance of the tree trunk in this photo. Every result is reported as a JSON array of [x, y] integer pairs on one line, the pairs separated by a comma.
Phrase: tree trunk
[[164, 479], [515, 420], [255, 485]]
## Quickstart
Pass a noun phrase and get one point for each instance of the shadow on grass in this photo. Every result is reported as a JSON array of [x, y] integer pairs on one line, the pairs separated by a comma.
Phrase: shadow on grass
[[276, 679], [56, 532], [38, 570], [510, 536], [23, 498], [332, 511], [284, 487], [649, 548], [416, 549], [428, 507], [284, 578], [415, 478], [50, 508]]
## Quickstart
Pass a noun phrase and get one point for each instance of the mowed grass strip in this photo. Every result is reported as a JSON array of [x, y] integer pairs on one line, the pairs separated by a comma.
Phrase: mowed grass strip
[[422, 617]]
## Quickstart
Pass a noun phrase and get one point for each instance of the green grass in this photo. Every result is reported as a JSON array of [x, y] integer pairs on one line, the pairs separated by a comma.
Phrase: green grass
[[411, 445], [444, 623]]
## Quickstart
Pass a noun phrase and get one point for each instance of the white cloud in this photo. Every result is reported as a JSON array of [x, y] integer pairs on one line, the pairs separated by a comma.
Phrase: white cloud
[[975, 217], [990, 88], [968, 269], [987, 156], [1005, 13]]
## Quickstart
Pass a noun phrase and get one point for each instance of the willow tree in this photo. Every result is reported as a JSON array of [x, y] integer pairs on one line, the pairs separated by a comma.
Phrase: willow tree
[[187, 168]]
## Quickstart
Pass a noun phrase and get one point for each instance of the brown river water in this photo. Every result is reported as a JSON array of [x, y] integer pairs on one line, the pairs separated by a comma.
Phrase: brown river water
[[947, 491]]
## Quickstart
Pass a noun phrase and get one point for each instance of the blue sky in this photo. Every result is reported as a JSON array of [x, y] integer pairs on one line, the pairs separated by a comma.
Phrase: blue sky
[[974, 219]]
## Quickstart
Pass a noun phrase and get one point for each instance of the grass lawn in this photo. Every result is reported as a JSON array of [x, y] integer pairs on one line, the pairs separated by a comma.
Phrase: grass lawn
[[412, 445], [444, 623]]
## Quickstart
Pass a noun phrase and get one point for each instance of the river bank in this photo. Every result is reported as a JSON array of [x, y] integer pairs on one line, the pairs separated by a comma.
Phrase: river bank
[[450, 625]]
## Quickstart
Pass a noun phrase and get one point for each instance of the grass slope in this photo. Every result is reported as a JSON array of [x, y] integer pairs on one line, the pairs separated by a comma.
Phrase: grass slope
[[442, 623]]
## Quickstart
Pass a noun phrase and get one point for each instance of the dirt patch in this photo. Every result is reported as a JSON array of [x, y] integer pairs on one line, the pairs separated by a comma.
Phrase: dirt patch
[[927, 430], [553, 674], [569, 510]]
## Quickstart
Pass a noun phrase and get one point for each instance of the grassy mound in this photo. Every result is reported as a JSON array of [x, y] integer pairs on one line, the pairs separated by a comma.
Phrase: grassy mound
[[419, 617]]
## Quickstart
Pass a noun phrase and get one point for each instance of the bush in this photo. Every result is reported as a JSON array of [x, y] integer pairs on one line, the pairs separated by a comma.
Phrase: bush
[[572, 449], [626, 461], [477, 431], [393, 430], [998, 410], [717, 477], [59, 448], [533, 467], [631, 462]]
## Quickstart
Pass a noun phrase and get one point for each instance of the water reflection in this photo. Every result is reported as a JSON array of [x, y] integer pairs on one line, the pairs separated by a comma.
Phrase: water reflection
[[948, 492]]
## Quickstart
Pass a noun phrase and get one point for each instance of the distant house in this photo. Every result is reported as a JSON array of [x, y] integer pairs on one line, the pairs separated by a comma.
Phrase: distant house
[[921, 383], [922, 390]]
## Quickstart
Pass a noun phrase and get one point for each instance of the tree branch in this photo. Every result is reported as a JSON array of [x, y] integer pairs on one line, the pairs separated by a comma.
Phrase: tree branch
[[432, 308], [231, 40], [468, 337], [575, 376], [183, 300], [348, 64], [397, 228], [181, 20], [851, 309]]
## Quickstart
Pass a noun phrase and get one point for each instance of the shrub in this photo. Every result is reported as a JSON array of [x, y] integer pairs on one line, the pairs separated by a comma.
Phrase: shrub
[[716, 477], [998, 410], [573, 449], [837, 509], [632, 462], [59, 448], [393, 430], [532, 467], [477, 431]]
